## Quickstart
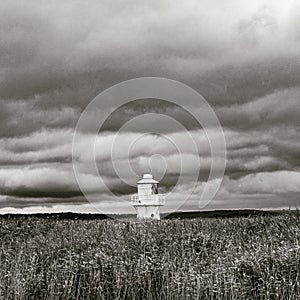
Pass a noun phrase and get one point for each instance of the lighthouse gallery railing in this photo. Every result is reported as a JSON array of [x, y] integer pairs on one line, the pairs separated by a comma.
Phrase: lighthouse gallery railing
[[154, 199]]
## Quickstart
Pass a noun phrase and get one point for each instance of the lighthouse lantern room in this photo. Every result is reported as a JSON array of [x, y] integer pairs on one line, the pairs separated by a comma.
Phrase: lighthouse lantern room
[[147, 202]]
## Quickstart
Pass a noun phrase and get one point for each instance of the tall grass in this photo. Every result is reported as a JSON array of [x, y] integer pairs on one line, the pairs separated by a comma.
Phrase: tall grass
[[236, 258]]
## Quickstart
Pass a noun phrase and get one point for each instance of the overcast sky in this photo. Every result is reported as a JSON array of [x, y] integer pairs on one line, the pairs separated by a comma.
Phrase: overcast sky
[[56, 56]]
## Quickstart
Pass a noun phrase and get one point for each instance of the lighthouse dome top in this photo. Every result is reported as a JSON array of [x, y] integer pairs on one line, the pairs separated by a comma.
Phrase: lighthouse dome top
[[147, 178]]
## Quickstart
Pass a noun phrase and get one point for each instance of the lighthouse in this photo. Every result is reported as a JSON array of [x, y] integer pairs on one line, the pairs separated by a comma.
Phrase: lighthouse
[[147, 202]]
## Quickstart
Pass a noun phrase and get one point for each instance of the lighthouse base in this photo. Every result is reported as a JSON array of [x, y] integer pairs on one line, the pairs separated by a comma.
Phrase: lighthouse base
[[147, 212]]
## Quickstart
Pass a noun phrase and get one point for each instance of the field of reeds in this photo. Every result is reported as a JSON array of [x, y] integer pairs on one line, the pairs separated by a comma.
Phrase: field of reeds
[[204, 258]]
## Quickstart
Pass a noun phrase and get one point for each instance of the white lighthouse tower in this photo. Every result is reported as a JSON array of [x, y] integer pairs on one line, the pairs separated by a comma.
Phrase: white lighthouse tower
[[147, 202]]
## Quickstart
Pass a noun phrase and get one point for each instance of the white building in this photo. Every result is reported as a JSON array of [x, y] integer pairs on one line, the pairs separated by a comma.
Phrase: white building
[[147, 202]]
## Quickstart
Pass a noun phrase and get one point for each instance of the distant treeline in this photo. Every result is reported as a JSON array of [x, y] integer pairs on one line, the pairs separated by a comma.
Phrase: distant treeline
[[174, 215]]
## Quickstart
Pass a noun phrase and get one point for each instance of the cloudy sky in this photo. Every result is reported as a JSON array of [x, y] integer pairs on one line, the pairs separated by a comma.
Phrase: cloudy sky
[[56, 56]]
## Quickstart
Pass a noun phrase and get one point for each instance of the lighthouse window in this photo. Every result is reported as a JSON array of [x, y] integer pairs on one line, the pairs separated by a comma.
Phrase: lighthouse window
[[152, 215], [154, 189]]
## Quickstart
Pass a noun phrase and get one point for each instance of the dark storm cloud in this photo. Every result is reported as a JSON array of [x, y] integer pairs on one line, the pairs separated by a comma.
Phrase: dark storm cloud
[[243, 57], [55, 182], [144, 106], [252, 151], [228, 56], [280, 107], [44, 146], [23, 202], [38, 183], [19, 118], [274, 109]]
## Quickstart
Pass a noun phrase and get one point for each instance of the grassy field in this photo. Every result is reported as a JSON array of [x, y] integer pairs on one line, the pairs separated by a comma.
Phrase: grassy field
[[204, 258]]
